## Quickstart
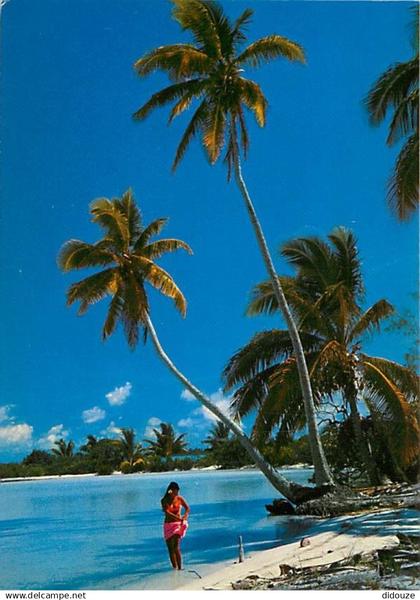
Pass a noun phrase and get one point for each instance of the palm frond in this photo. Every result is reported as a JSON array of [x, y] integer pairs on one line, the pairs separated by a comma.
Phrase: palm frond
[[76, 254], [197, 122], [108, 216], [160, 247], [162, 281], [200, 18], [241, 22], [268, 48], [403, 186], [283, 405], [390, 403], [404, 378], [115, 309], [154, 228], [252, 96], [371, 319], [390, 89], [91, 289], [252, 393], [264, 348], [214, 130], [127, 206], [348, 260], [405, 119], [178, 60], [191, 88], [311, 256], [263, 299], [135, 307]]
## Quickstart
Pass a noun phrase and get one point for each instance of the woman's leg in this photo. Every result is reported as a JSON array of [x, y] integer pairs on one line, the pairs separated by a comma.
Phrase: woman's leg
[[171, 551], [177, 551]]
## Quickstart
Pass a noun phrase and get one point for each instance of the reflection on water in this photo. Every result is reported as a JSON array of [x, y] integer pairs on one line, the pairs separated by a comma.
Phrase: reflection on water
[[106, 532]]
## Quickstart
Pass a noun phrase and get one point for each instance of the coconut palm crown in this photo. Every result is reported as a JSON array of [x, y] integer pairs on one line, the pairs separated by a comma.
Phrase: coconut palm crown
[[211, 72], [397, 91], [326, 295], [127, 255]]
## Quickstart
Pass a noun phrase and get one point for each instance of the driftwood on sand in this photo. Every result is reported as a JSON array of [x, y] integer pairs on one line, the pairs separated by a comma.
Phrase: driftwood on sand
[[333, 501]]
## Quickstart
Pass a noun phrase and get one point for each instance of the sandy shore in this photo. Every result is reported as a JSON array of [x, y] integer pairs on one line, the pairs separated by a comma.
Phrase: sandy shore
[[323, 549]]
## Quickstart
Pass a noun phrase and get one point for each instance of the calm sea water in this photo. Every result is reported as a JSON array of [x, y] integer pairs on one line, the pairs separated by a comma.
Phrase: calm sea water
[[106, 532]]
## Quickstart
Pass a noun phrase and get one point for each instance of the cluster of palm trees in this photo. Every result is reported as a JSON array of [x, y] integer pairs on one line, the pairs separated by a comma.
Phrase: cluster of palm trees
[[126, 452], [284, 375]]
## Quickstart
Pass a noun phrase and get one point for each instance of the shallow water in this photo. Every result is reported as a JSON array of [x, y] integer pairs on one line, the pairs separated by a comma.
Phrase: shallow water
[[106, 532]]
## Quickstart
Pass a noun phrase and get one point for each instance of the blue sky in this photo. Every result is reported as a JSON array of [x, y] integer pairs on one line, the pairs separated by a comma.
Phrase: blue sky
[[69, 90]]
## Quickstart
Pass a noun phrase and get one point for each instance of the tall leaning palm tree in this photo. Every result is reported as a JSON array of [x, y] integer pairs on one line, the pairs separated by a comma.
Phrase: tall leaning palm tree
[[326, 294], [127, 256], [397, 91], [210, 71]]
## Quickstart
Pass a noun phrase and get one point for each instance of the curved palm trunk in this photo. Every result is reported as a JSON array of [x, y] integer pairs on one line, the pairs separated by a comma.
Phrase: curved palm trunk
[[280, 483], [362, 447], [322, 472]]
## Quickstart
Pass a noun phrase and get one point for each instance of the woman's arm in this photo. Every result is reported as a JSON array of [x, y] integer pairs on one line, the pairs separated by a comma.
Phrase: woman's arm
[[186, 507]]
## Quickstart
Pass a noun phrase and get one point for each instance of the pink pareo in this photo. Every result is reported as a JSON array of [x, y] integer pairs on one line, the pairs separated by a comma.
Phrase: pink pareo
[[175, 528]]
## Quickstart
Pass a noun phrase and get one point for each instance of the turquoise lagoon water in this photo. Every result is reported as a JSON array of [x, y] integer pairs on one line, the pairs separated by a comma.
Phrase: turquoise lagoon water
[[106, 532]]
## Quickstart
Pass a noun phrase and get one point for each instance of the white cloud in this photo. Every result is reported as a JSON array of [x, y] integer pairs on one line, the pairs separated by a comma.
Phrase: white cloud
[[200, 418], [186, 395], [119, 395], [16, 435], [112, 429], [152, 423], [221, 401], [187, 423], [54, 434], [4, 413], [91, 415]]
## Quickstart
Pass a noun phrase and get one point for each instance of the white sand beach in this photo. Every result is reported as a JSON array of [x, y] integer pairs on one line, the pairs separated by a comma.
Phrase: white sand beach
[[324, 549]]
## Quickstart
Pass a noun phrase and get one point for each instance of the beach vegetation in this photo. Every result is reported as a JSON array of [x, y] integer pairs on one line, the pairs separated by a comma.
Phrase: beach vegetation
[[326, 294]]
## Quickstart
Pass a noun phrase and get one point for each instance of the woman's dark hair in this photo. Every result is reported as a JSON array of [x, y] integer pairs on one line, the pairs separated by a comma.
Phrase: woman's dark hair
[[172, 487]]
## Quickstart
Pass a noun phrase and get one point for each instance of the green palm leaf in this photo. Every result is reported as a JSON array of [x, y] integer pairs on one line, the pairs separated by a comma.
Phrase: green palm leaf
[[371, 319], [76, 254], [91, 289], [160, 247], [108, 216], [268, 48], [179, 60], [154, 228], [403, 186], [196, 124], [391, 88], [192, 88]]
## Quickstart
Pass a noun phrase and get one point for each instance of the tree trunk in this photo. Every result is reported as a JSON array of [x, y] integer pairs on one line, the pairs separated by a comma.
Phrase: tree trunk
[[322, 472], [362, 447], [280, 483]]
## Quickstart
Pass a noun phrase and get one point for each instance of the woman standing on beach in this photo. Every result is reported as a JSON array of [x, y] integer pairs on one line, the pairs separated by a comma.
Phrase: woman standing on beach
[[175, 525]]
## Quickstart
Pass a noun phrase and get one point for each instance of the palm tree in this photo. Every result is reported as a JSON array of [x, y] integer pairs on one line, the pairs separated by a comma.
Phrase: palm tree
[[326, 296], [167, 443], [90, 445], [127, 256], [63, 449], [219, 434], [211, 72], [397, 90], [131, 450]]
